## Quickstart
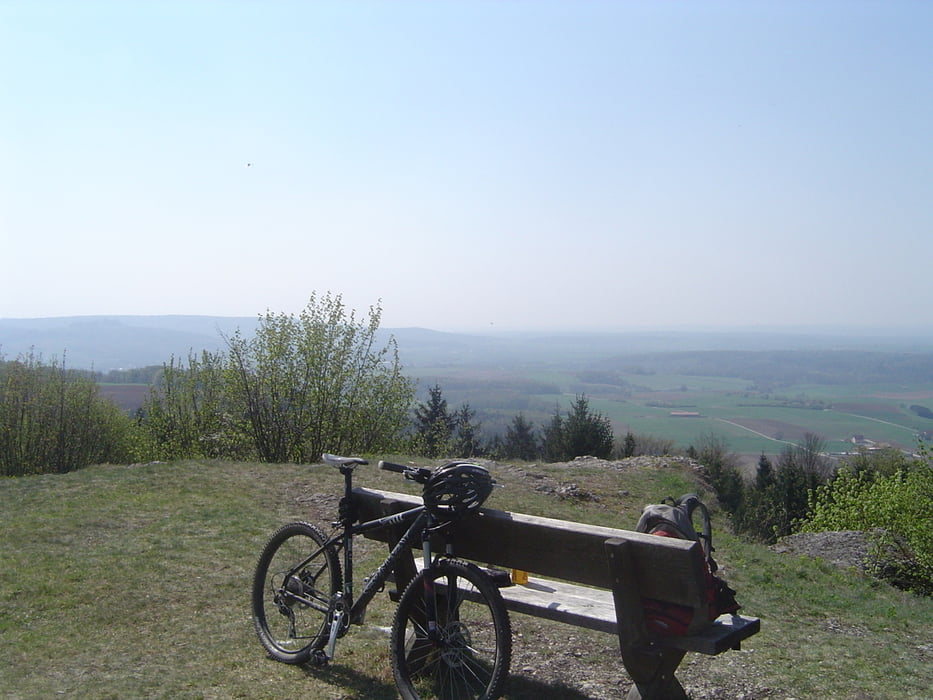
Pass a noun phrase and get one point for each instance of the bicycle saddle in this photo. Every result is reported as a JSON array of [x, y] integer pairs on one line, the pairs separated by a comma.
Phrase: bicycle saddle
[[335, 461]]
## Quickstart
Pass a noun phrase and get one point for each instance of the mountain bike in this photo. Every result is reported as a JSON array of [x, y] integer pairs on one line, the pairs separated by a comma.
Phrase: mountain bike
[[450, 636]]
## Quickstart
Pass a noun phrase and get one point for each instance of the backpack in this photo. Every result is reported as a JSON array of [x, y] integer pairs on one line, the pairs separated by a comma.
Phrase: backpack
[[674, 518]]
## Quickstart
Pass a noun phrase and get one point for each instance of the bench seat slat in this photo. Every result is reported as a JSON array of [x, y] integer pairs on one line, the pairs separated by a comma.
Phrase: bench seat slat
[[593, 608], [589, 608]]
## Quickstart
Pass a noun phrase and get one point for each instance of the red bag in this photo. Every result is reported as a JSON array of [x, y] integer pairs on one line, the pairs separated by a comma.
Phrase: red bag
[[663, 619]]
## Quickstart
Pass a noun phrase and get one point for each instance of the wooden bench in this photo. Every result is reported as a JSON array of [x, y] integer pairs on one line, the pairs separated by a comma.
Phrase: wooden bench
[[601, 575]]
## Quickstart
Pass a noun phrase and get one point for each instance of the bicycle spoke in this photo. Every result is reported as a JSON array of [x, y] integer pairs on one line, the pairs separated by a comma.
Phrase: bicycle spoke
[[469, 654], [292, 598]]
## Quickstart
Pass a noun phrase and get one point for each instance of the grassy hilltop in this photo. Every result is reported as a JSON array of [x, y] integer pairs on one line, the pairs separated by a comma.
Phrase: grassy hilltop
[[134, 581]]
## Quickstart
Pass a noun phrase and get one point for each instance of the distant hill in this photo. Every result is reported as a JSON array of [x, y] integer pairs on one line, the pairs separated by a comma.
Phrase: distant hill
[[116, 342], [123, 342]]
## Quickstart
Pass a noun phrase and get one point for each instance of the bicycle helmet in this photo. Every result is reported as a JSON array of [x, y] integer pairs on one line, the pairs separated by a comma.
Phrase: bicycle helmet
[[456, 489]]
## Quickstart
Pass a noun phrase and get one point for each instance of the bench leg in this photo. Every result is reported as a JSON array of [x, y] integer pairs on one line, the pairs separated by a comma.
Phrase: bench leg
[[652, 669], [653, 674]]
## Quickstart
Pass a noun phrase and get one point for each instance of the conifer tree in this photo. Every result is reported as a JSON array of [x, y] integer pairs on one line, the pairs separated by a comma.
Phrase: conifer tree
[[433, 424], [520, 440]]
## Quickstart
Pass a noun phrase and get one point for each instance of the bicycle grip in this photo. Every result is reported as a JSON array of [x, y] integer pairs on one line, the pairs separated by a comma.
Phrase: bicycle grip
[[390, 467]]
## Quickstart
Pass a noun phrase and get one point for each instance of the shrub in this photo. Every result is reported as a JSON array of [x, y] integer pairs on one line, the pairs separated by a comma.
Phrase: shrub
[[53, 420], [897, 508]]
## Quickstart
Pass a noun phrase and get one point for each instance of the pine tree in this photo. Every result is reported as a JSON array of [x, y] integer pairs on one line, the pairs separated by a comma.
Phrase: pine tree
[[520, 440], [552, 439], [586, 432], [582, 432], [628, 446], [466, 441], [433, 424], [764, 475]]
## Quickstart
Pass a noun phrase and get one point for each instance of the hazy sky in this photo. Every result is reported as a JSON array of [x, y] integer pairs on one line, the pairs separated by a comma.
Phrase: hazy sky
[[474, 165]]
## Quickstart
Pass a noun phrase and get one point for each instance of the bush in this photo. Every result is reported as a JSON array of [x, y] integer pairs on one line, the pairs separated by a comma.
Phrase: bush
[[897, 508], [53, 420], [299, 386]]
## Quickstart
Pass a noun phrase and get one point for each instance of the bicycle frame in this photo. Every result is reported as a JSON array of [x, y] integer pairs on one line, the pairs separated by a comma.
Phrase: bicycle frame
[[345, 609]]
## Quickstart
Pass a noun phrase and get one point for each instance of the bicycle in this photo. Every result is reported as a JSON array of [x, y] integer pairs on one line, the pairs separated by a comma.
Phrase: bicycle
[[450, 635]]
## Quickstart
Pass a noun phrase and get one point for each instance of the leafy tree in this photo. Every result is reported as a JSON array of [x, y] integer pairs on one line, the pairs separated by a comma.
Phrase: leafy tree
[[318, 383], [433, 424], [884, 462], [778, 498], [300, 386], [520, 440]]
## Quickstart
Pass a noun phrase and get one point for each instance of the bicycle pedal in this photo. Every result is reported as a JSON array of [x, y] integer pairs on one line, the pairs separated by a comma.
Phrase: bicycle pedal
[[318, 658], [501, 578]]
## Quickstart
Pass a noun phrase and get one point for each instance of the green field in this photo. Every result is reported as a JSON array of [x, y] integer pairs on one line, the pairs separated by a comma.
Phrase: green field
[[752, 421]]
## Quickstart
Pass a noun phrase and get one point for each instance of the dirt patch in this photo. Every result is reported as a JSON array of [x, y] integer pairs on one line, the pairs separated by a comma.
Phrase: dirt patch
[[129, 397], [906, 395], [845, 548]]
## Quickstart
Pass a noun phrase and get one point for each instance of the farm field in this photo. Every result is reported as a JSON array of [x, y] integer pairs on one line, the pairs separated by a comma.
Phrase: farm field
[[759, 399], [129, 397], [682, 407]]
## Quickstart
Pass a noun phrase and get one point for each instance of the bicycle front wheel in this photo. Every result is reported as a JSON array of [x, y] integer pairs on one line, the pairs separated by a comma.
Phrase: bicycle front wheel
[[468, 654], [294, 588]]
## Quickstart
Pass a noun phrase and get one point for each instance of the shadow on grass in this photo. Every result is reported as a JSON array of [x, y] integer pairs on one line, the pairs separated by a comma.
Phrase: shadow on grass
[[349, 682], [523, 688]]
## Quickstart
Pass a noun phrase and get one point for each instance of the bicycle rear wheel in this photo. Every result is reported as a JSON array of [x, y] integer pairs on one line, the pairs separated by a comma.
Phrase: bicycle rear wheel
[[470, 653], [292, 607]]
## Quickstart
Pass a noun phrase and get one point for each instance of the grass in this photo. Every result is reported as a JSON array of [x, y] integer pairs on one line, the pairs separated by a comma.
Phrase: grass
[[134, 581]]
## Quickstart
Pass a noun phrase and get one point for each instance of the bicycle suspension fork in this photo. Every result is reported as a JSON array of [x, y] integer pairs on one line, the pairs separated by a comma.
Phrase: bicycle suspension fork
[[430, 589]]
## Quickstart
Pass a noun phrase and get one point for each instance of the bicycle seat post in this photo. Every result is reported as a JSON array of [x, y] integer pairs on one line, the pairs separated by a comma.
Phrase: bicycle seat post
[[347, 472], [347, 507]]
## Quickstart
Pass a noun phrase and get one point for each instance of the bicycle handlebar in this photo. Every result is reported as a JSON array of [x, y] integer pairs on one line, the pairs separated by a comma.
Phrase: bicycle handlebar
[[419, 474]]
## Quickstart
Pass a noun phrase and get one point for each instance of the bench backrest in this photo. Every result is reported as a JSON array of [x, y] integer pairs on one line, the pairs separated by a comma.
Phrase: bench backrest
[[657, 567]]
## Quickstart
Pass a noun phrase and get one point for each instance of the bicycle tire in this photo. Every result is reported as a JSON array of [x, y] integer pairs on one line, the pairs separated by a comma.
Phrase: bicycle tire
[[292, 616], [471, 658]]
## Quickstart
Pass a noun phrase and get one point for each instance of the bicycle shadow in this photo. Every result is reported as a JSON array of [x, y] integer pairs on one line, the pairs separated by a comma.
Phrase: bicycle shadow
[[524, 688], [348, 682]]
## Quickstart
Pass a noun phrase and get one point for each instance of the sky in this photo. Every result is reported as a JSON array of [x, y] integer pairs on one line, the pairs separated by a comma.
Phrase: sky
[[473, 165]]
